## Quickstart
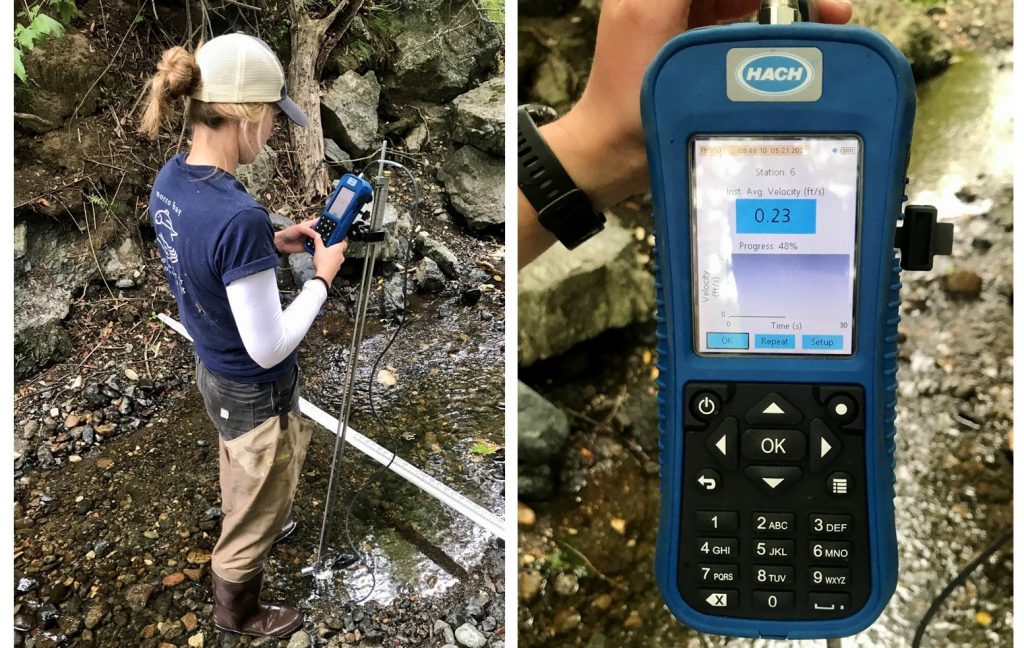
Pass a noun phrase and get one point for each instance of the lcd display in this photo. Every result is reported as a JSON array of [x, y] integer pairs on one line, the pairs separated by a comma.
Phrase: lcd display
[[341, 203], [774, 244]]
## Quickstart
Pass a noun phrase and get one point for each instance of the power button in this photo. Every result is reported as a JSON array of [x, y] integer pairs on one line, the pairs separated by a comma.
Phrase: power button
[[705, 405]]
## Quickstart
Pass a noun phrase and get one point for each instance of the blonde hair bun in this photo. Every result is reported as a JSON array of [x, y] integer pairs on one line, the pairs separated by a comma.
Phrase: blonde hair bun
[[180, 72]]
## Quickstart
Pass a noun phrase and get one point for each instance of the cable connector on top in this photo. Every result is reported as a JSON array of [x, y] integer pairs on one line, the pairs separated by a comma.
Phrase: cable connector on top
[[785, 12]]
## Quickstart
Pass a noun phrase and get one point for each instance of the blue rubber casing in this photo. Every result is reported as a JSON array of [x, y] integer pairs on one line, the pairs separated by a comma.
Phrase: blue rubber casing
[[867, 91], [362, 193]]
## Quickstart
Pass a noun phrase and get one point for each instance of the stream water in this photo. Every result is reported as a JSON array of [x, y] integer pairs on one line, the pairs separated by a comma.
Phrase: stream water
[[447, 397], [587, 582]]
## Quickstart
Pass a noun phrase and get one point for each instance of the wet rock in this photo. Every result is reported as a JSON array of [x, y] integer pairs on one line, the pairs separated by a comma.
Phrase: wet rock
[[437, 67], [138, 595], [566, 584], [566, 620], [480, 117], [470, 296], [94, 615], [475, 184], [256, 175], [912, 32], [445, 630], [467, 635], [44, 457], [963, 283], [526, 515], [438, 253], [568, 297], [171, 629], [299, 640], [535, 483], [543, 428], [349, 112], [301, 266], [26, 585], [429, 277], [46, 616], [393, 297], [88, 435]]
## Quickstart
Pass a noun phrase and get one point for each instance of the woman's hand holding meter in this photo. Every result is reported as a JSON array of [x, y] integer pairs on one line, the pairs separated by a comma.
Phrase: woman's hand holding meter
[[292, 240], [327, 260], [600, 140]]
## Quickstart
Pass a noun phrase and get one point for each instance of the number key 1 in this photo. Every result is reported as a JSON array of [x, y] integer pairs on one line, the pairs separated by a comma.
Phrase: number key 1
[[724, 521]]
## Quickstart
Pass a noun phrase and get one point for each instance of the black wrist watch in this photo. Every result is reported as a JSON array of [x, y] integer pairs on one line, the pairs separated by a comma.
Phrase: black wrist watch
[[562, 208]]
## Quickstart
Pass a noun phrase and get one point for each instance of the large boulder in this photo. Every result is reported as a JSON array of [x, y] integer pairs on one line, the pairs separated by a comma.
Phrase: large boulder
[[566, 297], [475, 184], [53, 264], [441, 50], [257, 175], [480, 117], [349, 112], [60, 72]]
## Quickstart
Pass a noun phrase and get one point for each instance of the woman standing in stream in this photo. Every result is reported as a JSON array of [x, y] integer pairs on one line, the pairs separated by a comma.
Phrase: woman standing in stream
[[219, 254]]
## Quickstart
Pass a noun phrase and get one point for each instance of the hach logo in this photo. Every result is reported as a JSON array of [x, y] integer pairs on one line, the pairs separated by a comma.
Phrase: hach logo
[[775, 74]]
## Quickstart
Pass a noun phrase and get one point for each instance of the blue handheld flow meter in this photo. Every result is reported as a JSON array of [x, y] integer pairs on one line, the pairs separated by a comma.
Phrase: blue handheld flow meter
[[345, 204], [778, 155]]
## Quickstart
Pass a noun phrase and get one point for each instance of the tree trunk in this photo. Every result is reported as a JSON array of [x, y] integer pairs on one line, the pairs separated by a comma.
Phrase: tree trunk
[[304, 89]]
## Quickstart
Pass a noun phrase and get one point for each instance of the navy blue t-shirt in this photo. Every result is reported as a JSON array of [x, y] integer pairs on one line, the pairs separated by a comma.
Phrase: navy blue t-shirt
[[211, 232]]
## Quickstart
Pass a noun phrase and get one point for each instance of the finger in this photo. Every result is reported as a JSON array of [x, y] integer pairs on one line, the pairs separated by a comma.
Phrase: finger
[[835, 12], [733, 9], [306, 229], [318, 242], [344, 246], [309, 223]]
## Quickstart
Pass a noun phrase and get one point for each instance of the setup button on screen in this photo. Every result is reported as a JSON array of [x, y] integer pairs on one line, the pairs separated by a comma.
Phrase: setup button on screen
[[823, 342], [728, 340]]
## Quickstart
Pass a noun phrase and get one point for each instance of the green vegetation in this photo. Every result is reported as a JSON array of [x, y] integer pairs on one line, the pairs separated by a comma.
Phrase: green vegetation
[[37, 27], [560, 561], [495, 10]]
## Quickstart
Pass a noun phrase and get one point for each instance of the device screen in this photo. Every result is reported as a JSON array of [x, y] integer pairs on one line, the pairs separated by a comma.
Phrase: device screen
[[341, 203], [775, 234]]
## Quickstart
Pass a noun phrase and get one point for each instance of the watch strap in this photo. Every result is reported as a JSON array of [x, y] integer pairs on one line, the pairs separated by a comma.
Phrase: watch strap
[[562, 207]]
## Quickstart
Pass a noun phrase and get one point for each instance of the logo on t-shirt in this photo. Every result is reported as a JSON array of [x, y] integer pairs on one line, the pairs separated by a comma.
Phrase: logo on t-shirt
[[165, 235]]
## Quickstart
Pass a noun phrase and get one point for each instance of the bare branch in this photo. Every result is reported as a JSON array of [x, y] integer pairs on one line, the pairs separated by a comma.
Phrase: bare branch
[[325, 23]]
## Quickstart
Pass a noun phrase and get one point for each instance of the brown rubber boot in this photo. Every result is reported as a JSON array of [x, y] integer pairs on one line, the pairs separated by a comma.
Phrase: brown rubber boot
[[237, 608]]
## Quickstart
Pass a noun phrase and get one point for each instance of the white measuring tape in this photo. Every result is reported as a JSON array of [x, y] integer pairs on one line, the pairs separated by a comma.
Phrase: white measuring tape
[[444, 494]]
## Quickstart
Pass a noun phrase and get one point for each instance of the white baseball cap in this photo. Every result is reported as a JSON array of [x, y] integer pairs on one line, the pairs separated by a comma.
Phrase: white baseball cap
[[238, 68]]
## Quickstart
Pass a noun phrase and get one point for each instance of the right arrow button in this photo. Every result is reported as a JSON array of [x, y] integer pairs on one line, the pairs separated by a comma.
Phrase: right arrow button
[[825, 446]]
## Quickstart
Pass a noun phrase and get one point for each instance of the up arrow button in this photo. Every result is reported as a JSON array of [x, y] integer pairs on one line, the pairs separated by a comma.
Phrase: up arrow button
[[774, 410]]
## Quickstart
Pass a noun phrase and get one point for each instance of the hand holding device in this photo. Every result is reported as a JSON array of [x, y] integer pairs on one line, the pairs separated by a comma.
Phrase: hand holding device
[[327, 260], [777, 159], [350, 196]]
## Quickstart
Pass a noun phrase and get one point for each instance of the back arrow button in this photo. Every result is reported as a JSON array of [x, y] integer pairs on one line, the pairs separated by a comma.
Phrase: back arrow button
[[709, 480]]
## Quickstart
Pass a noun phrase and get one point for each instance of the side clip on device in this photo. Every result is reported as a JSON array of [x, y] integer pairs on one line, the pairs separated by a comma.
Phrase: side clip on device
[[920, 238]]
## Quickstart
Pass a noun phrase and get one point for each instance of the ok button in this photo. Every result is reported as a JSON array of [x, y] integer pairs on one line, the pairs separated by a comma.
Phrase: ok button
[[773, 445]]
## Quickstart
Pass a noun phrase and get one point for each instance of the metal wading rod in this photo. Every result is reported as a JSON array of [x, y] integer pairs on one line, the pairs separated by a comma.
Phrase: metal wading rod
[[380, 185]]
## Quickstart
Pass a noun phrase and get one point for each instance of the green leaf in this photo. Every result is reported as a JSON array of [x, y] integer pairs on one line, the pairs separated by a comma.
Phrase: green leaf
[[19, 67], [483, 448], [25, 37], [47, 26]]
